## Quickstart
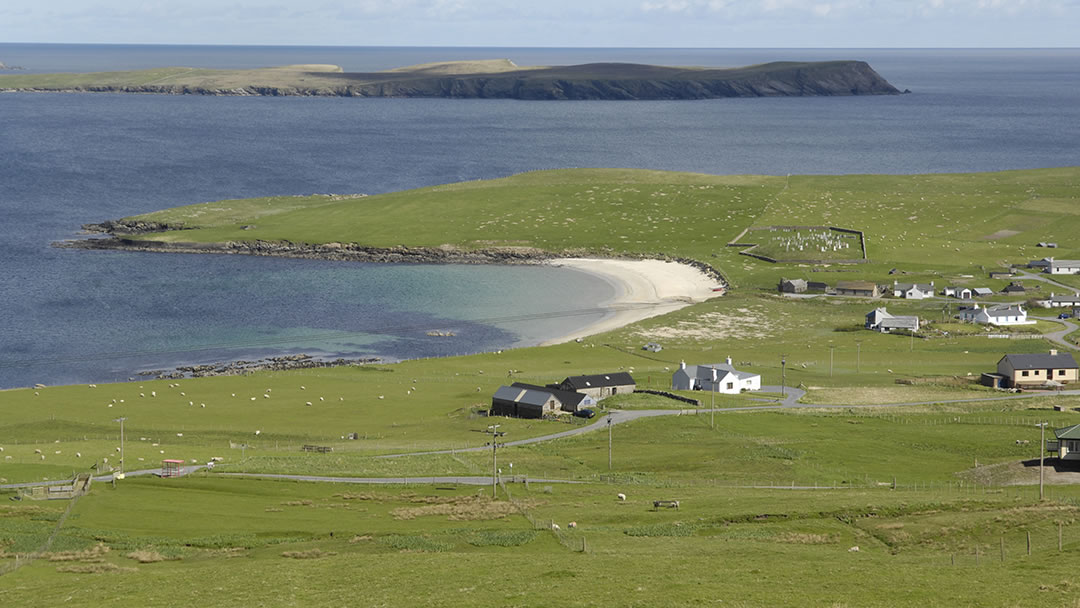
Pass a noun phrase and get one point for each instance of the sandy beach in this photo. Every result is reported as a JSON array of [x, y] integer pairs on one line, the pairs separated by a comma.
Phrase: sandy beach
[[645, 288]]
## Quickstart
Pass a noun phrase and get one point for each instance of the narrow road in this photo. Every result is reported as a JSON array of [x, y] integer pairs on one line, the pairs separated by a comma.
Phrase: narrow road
[[1058, 337], [99, 478], [471, 480]]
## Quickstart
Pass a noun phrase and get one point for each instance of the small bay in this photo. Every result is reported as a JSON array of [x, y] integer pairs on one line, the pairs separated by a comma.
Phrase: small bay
[[65, 160]]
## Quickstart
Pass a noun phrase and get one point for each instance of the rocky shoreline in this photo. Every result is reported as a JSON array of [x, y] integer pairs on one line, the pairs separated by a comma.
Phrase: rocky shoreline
[[350, 252], [241, 367]]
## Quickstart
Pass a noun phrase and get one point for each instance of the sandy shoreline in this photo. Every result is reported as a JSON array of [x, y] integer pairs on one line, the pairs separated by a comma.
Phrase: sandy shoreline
[[645, 288]]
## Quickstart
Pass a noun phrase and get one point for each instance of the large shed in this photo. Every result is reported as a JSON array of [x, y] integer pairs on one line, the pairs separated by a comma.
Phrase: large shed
[[599, 386]]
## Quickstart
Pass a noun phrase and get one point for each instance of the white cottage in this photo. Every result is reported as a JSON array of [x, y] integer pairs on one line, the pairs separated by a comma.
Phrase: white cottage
[[717, 377], [913, 291], [995, 315]]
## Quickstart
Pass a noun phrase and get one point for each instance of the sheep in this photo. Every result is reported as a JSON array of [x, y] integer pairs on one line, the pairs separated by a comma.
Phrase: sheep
[[153, 393], [179, 434], [572, 525], [555, 527], [303, 388], [854, 549], [258, 432], [78, 454], [37, 451], [621, 496], [307, 403]]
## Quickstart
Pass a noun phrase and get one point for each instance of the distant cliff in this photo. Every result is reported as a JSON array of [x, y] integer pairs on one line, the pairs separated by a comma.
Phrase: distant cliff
[[485, 80]]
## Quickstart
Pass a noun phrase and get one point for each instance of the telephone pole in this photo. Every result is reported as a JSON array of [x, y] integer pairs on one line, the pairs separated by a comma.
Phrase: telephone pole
[[1042, 454], [495, 434], [783, 375], [609, 442]]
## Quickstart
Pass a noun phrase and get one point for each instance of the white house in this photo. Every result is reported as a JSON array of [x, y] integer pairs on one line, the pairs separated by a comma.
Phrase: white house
[[718, 377], [1062, 300], [913, 291], [962, 293], [995, 315], [882, 320], [1064, 266]]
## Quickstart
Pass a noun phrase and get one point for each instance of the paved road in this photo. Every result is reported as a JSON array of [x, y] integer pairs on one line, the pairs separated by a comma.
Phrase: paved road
[[99, 478], [471, 480], [1058, 337]]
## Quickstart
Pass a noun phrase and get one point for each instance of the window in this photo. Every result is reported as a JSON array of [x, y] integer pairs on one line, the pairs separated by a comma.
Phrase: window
[[730, 385], [1061, 372], [1024, 373]]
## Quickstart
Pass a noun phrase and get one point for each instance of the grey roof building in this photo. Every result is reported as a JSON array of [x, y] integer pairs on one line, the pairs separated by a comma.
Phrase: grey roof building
[[599, 386]]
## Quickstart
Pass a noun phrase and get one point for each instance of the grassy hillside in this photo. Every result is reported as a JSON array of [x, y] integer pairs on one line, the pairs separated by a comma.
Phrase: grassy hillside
[[940, 499], [931, 225]]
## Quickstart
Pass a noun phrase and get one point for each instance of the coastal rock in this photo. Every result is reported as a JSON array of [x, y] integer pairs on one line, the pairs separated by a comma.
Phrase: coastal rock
[[599, 81]]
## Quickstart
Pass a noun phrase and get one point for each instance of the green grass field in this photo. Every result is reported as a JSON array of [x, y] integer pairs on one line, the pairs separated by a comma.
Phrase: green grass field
[[940, 499]]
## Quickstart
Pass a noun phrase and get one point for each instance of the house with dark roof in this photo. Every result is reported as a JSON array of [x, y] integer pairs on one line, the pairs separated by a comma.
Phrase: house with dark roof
[[598, 386], [865, 289], [1066, 443], [1037, 370], [523, 400], [717, 377]]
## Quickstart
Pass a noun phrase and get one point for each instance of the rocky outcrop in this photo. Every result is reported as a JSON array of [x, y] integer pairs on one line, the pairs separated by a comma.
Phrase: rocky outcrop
[[241, 367], [583, 82]]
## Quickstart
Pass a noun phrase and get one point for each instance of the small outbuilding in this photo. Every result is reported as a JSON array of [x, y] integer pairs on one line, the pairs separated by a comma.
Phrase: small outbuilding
[[792, 286], [1066, 443], [172, 468], [913, 291]]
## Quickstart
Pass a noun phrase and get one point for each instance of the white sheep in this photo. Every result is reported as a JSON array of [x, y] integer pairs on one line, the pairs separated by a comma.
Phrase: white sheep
[[572, 525], [621, 496], [555, 526]]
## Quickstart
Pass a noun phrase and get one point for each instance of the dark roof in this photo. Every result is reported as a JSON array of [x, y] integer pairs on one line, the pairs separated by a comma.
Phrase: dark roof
[[565, 397], [597, 380], [1041, 361], [856, 285]]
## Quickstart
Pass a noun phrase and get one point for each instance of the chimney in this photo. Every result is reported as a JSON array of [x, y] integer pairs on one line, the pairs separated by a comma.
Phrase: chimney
[[714, 378], [729, 360], [1053, 352], [682, 364]]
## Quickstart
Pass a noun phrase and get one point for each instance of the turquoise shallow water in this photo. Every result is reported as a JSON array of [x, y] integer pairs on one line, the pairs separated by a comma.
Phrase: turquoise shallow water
[[75, 316]]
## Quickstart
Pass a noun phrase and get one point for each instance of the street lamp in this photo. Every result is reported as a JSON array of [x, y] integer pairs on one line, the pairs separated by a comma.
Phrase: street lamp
[[121, 420]]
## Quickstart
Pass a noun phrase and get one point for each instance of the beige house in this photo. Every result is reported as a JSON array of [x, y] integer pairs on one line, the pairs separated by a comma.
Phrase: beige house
[[1031, 370], [865, 289]]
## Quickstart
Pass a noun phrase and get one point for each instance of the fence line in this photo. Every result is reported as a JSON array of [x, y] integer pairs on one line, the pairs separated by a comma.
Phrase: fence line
[[21, 561]]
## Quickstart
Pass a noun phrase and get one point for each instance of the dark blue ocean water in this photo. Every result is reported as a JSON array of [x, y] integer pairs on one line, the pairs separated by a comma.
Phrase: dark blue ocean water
[[72, 316]]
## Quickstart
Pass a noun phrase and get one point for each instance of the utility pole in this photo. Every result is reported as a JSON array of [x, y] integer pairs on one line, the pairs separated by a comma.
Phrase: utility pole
[[712, 410], [831, 351], [609, 442], [783, 375], [121, 420], [495, 434], [858, 356], [1042, 454]]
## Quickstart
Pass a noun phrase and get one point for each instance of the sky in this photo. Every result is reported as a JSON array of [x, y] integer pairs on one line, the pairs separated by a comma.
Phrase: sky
[[549, 23]]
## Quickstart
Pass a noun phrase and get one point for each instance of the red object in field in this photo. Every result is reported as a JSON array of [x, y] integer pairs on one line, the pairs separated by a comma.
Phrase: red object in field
[[718, 289], [171, 468]]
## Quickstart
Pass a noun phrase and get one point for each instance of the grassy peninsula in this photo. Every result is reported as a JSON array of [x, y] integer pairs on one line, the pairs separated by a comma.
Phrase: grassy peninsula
[[854, 500], [500, 79]]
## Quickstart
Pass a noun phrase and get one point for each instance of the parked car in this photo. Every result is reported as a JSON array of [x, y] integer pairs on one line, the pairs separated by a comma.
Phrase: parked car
[[585, 413], [1064, 315]]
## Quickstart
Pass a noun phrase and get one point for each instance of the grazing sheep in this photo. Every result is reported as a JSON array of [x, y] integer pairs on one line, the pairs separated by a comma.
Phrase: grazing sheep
[[854, 549], [78, 454], [555, 526], [307, 403], [37, 451], [179, 434], [572, 525], [153, 393], [621, 496], [258, 432], [303, 388]]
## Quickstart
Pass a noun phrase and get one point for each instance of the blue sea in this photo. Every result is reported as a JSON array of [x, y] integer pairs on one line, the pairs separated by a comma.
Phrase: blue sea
[[79, 316]]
